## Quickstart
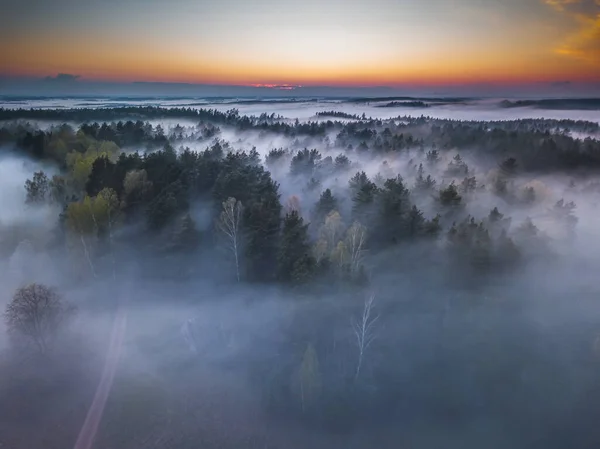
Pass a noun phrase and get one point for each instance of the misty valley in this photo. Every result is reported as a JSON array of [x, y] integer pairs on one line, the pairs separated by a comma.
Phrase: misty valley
[[360, 273]]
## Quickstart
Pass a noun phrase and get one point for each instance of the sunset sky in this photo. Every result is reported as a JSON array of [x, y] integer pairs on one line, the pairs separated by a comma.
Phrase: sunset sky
[[310, 42]]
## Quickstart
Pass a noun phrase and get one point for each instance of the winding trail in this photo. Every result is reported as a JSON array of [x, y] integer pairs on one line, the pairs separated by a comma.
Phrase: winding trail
[[90, 426]]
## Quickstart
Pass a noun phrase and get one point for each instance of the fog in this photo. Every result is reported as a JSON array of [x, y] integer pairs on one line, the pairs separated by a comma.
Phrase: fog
[[467, 345], [467, 109]]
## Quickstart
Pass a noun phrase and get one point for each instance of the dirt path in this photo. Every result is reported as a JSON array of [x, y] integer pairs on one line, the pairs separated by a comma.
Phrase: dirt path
[[92, 421]]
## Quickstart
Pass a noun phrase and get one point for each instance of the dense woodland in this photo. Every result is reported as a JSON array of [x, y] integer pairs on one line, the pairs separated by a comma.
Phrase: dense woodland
[[362, 228]]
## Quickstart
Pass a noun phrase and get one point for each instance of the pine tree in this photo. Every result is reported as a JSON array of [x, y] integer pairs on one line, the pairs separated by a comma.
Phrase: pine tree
[[415, 222], [326, 204], [422, 183], [295, 262], [449, 196], [395, 206], [261, 222], [433, 157], [186, 237], [363, 202]]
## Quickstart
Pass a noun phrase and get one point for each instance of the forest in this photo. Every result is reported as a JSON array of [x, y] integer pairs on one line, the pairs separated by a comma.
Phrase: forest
[[342, 281]]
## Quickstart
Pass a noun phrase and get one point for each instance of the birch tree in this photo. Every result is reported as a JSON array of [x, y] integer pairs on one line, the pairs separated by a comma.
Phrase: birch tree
[[320, 250], [339, 256], [228, 225], [332, 229], [355, 244], [92, 218], [364, 331]]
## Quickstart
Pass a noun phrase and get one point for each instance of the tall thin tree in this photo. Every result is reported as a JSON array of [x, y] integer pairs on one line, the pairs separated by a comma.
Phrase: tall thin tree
[[364, 330], [355, 242], [229, 225]]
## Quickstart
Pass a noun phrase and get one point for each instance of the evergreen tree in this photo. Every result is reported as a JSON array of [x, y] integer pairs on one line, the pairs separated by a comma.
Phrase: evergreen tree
[[161, 210], [342, 162], [415, 222], [295, 262], [422, 183], [326, 204], [364, 195], [395, 206], [432, 228], [449, 196], [508, 168], [305, 162], [457, 167], [507, 253], [186, 237], [261, 223], [433, 157], [468, 185], [103, 175]]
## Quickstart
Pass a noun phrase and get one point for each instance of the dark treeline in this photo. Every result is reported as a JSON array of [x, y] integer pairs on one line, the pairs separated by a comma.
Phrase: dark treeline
[[538, 144], [405, 104], [338, 114], [559, 103]]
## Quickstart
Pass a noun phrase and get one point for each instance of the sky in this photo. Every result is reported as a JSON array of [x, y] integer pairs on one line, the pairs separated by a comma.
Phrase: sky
[[310, 42]]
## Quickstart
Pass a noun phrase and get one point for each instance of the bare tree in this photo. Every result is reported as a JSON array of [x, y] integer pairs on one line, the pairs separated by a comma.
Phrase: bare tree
[[229, 225], [308, 378], [35, 316], [364, 331], [355, 242]]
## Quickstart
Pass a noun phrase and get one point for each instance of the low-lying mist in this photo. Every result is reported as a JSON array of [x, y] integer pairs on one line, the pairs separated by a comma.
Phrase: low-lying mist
[[198, 278]]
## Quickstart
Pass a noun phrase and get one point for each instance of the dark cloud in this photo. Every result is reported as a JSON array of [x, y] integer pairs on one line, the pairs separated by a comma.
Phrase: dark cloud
[[63, 78], [561, 84]]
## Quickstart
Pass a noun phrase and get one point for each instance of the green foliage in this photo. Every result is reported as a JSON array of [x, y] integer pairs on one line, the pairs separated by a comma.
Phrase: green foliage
[[163, 183], [93, 215], [37, 188], [58, 190], [136, 190]]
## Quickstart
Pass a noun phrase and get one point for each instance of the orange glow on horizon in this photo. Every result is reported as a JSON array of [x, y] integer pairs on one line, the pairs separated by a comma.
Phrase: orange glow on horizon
[[128, 62], [272, 44]]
